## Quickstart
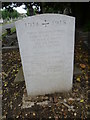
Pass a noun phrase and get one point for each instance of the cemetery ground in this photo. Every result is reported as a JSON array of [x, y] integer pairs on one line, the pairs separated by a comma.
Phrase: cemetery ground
[[73, 104]]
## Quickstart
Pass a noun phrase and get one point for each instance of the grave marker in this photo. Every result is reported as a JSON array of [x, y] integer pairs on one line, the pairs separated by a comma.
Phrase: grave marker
[[46, 45]]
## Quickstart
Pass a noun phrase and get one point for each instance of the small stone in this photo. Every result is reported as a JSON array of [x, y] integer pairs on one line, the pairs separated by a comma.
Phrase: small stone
[[49, 106], [72, 107], [34, 114], [17, 116], [62, 110], [75, 114], [19, 105], [71, 99], [46, 98], [65, 100], [60, 97], [26, 114], [50, 117], [69, 109], [73, 110], [78, 99]]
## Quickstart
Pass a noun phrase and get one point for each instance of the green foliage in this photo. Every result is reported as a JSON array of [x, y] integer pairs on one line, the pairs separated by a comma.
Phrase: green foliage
[[28, 12], [34, 12], [7, 14], [54, 7], [87, 27]]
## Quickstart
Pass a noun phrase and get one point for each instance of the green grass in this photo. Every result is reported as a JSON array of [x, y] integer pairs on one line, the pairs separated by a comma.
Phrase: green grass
[[5, 33], [1, 24], [13, 30]]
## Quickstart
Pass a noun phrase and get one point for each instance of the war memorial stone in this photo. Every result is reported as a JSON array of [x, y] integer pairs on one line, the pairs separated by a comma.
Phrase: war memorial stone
[[46, 44]]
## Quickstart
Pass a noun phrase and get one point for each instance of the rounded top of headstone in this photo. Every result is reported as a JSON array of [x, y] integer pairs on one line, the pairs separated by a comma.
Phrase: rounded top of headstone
[[46, 16]]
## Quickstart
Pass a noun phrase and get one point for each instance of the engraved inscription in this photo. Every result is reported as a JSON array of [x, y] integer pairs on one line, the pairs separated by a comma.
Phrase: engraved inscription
[[45, 23]]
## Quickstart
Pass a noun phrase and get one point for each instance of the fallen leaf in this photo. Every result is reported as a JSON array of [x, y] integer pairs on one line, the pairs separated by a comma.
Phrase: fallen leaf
[[86, 77], [5, 84], [78, 79], [0, 92], [81, 100], [3, 73], [70, 100], [82, 65]]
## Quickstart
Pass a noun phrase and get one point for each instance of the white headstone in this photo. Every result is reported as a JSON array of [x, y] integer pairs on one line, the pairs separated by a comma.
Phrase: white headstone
[[46, 45]]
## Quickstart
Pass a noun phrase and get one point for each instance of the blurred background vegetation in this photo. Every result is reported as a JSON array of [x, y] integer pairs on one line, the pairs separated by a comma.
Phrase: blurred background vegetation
[[80, 10], [7, 15]]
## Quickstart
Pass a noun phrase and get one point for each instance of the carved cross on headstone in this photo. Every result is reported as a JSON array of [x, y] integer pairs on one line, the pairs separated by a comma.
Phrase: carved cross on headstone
[[45, 23]]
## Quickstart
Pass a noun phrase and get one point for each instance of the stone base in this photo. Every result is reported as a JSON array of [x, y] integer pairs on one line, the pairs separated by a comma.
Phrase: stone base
[[19, 76], [77, 71], [29, 101]]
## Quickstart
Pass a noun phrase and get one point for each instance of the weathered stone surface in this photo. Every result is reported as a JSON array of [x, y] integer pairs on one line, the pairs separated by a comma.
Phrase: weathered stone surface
[[19, 76], [46, 45], [77, 71]]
